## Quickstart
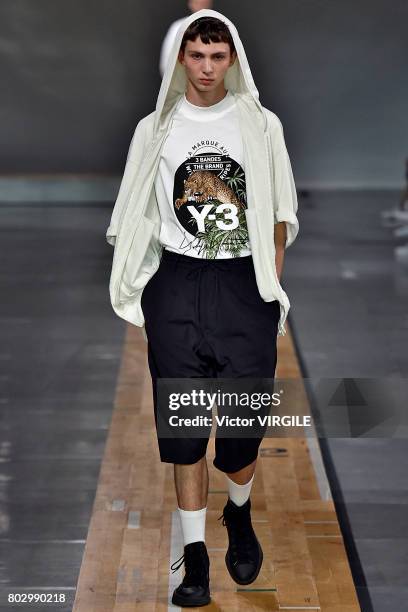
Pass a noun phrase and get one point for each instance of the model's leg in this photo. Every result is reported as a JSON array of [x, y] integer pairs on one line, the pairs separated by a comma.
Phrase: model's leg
[[245, 337], [176, 350], [240, 484], [243, 476], [191, 483]]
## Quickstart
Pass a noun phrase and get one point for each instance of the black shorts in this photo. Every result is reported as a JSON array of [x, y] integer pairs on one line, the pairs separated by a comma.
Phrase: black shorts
[[206, 318]]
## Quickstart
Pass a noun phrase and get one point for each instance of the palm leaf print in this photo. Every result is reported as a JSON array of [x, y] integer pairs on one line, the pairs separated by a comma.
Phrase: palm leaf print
[[213, 238]]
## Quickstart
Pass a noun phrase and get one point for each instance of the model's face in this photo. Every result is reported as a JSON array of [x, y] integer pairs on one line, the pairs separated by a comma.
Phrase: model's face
[[197, 5], [206, 65]]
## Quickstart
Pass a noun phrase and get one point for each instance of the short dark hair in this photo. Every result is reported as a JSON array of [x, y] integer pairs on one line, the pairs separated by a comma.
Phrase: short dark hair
[[209, 29]]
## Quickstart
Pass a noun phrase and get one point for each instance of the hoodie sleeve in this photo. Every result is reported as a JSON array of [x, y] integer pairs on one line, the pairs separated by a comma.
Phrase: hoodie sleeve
[[133, 161], [285, 197]]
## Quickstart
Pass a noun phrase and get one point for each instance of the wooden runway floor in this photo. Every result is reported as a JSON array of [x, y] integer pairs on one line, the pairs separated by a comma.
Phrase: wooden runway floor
[[134, 533]]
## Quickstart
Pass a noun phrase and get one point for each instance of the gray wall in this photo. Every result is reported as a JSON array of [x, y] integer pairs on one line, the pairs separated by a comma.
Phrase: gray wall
[[76, 77]]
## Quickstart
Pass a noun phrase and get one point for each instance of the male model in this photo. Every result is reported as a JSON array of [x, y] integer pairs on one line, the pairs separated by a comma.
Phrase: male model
[[206, 208]]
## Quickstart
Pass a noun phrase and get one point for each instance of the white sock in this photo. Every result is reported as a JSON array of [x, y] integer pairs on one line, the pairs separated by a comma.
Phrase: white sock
[[239, 493], [193, 525]]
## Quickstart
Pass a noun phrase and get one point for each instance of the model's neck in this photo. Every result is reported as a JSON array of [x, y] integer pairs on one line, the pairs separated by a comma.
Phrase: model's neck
[[205, 98]]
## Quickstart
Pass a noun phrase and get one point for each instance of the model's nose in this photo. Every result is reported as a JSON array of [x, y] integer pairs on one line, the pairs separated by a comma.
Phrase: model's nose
[[207, 67]]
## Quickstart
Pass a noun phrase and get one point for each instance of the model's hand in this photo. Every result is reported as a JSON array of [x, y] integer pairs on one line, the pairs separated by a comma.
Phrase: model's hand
[[280, 241], [279, 263]]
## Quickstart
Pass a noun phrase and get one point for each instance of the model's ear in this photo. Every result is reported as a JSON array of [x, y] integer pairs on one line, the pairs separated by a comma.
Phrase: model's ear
[[233, 58], [180, 57]]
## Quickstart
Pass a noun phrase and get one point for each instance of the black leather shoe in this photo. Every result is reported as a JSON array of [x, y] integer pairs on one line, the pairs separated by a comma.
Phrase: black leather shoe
[[244, 555], [195, 588]]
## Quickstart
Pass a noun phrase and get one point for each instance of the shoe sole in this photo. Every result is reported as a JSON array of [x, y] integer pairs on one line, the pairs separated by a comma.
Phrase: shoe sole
[[255, 575], [187, 602]]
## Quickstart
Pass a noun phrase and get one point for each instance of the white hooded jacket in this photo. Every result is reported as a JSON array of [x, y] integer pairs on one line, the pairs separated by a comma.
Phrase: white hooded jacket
[[271, 194]]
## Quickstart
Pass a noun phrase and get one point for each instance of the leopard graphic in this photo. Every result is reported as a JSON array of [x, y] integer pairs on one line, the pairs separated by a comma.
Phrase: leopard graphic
[[203, 185]]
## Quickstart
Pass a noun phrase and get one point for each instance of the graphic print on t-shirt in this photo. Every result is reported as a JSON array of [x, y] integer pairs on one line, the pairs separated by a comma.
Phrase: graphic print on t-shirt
[[209, 199]]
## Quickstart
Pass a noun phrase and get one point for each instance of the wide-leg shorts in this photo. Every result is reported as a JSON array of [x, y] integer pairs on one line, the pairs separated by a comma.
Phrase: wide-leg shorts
[[206, 318]]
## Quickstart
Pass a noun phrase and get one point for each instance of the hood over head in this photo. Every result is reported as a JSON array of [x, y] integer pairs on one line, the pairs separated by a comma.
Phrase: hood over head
[[238, 78]]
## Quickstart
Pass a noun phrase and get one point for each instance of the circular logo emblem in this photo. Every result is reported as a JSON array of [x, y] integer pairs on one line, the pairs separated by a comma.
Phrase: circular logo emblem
[[209, 187]]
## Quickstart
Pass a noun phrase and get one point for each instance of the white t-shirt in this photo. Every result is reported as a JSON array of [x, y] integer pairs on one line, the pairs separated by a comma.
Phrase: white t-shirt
[[200, 183]]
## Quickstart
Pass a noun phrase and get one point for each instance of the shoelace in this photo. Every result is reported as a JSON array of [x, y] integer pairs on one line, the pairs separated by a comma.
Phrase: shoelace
[[192, 574], [240, 540], [180, 564]]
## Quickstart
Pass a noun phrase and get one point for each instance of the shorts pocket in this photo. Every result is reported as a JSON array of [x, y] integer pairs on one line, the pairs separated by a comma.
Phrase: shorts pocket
[[146, 291]]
